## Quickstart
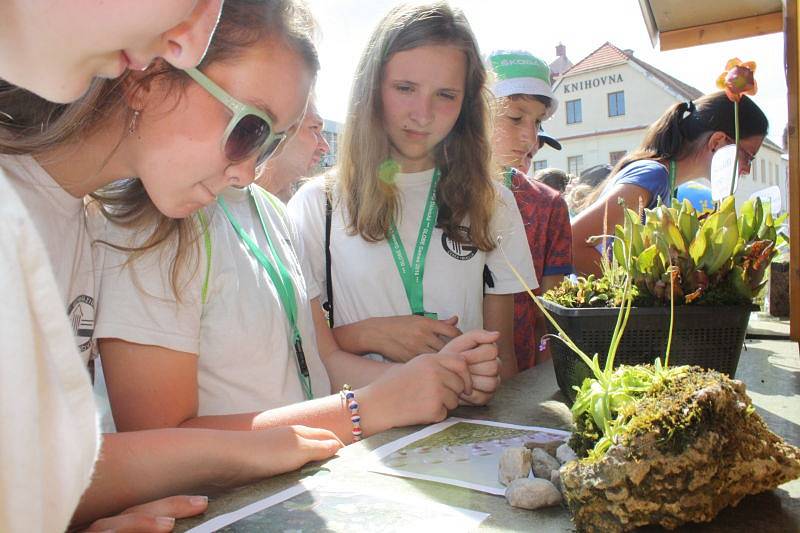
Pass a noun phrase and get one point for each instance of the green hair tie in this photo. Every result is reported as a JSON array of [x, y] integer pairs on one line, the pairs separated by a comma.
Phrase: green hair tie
[[388, 170]]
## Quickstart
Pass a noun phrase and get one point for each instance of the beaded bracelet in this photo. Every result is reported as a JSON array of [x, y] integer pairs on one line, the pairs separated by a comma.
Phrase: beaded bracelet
[[349, 397]]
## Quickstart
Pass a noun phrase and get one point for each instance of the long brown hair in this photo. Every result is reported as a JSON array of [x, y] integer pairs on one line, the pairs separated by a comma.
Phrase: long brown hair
[[680, 132], [32, 125], [463, 157]]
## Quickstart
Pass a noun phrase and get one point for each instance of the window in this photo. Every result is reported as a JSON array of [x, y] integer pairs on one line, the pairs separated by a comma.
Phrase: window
[[574, 114], [616, 104], [575, 164], [614, 157], [539, 165]]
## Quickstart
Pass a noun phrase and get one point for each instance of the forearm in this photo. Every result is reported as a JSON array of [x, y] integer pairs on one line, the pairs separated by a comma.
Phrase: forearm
[[354, 370], [328, 413], [141, 466], [355, 338], [498, 315]]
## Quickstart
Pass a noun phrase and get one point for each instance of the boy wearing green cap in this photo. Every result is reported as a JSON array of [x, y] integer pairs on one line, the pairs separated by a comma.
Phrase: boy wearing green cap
[[523, 100]]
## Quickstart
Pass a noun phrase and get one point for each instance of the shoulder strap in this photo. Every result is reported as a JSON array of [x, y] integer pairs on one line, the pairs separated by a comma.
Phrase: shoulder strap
[[207, 245], [328, 305]]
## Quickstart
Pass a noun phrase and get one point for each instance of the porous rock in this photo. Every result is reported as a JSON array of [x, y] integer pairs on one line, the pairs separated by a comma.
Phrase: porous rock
[[691, 448], [515, 463], [528, 493]]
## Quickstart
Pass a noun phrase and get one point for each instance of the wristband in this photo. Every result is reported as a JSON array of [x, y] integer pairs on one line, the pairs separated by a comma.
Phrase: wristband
[[349, 397]]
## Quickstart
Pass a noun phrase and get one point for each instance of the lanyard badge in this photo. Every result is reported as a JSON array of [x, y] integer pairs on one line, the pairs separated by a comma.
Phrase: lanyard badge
[[412, 274], [282, 281]]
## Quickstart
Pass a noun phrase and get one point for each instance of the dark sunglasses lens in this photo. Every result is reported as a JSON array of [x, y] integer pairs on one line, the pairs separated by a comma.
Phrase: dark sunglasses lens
[[268, 150], [248, 134]]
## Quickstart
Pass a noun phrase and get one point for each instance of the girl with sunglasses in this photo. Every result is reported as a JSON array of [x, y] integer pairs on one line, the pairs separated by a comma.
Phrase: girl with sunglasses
[[678, 147], [52, 156], [207, 321], [416, 216]]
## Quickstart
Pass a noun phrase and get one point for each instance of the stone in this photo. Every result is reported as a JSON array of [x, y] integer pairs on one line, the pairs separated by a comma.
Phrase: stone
[[555, 479], [724, 453], [515, 463], [527, 493], [564, 454], [550, 446], [542, 463]]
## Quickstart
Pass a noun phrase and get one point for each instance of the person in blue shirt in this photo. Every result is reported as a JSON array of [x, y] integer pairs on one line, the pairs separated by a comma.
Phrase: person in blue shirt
[[677, 148]]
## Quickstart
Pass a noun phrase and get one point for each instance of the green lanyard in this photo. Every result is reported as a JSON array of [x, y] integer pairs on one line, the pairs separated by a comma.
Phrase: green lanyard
[[281, 280], [412, 275], [672, 167], [508, 178]]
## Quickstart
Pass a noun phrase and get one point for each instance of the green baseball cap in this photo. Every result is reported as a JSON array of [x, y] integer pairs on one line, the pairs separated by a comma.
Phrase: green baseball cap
[[520, 72]]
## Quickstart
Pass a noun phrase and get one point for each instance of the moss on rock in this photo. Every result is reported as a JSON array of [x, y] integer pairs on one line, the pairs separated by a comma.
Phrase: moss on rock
[[692, 446]]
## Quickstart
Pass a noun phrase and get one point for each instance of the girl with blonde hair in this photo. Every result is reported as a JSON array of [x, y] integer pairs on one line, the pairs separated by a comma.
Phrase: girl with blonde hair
[[208, 321], [416, 216]]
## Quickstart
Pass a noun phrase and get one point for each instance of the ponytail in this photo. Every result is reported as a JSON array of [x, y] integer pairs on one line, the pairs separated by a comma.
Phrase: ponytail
[[680, 131]]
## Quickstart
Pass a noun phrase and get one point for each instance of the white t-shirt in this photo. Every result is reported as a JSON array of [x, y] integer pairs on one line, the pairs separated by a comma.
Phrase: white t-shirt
[[61, 221], [366, 282], [48, 428], [246, 362]]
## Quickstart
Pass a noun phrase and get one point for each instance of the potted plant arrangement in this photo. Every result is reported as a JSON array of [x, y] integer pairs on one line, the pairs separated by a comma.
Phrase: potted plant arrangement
[[718, 261], [658, 444]]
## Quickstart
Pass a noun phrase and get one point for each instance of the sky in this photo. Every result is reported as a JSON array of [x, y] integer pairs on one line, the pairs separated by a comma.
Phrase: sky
[[538, 26]]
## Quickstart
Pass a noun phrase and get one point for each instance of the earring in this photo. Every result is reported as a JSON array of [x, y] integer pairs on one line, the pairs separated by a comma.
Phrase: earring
[[132, 125]]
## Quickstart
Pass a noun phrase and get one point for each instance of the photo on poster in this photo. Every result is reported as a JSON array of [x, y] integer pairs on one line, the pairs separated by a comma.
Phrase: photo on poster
[[323, 507], [460, 452]]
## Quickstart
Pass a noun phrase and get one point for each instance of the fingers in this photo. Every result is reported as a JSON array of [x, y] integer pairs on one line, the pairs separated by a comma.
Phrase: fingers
[[317, 443], [471, 339], [457, 366], [176, 506], [446, 328], [485, 353], [133, 523], [486, 384], [476, 398]]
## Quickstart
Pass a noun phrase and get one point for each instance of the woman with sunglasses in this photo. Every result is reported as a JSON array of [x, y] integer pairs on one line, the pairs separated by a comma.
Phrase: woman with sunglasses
[[416, 218], [207, 321], [52, 156], [677, 148]]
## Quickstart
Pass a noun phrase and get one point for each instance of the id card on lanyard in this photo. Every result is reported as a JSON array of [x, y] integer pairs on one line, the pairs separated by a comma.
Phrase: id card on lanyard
[[411, 274], [282, 281]]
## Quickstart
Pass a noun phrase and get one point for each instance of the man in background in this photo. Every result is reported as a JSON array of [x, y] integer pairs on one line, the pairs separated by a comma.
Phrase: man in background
[[298, 158]]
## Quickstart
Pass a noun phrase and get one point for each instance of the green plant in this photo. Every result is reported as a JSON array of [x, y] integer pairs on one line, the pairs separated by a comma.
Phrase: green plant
[[605, 290], [719, 257]]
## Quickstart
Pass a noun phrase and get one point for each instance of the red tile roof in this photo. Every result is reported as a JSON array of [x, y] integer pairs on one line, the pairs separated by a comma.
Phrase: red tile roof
[[608, 55], [605, 56]]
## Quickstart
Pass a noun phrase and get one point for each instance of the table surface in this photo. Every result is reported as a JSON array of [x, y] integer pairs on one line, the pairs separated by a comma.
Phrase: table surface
[[769, 368]]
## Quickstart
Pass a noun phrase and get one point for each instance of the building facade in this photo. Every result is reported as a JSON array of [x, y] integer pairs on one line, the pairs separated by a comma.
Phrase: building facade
[[606, 103]]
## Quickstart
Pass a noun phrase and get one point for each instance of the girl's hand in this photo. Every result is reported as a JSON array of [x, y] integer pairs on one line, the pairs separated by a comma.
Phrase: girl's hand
[[285, 448], [480, 351], [401, 338], [157, 516], [418, 392]]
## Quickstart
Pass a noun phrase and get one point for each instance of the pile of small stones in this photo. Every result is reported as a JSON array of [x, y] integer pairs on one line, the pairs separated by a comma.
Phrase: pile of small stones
[[532, 474]]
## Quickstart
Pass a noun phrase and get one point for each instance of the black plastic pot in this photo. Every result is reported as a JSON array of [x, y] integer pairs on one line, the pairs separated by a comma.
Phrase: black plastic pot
[[707, 336]]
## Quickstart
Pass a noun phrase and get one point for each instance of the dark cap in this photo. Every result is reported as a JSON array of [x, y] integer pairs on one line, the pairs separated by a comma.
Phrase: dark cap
[[550, 141]]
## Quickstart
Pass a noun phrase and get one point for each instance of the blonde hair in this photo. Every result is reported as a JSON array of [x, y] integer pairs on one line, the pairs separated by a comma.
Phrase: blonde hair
[[463, 157], [31, 125]]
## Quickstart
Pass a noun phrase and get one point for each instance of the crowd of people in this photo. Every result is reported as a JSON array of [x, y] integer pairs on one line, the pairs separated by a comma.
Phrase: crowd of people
[[175, 276]]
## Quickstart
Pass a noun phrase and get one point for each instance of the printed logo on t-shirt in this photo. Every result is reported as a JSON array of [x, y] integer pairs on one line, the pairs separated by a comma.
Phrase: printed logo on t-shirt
[[81, 316], [462, 252]]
